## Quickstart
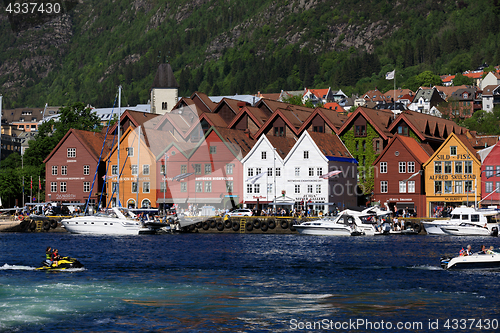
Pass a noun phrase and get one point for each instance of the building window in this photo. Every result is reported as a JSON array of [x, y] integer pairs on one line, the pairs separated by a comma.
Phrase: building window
[[489, 171], [270, 188], [164, 105], [86, 170], [263, 155], [213, 150], [269, 172], [71, 152], [134, 169], [447, 167], [411, 186], [383, 186], [468, 186], [311, 172], [249, 188], [208, 169], [306, 154], [402, 186], [437, 167], [135, 187], [258, 171], [250, 172], [114, 187], [198, 186], [229, 168], [114, 170], [163, 187], [448, 186], [278, 172], [458, 187], [54, 170], [62, 187], [411, 167], [458, 167], [438, 187], [297, 172], [319, 171], [130, 151], [309, 189], [197, 169], [360, 130], [145, 187], [318, 188], [488, 187], [64, 170], [145, 169], [402, 167], [53, 186], [208, 187], [184, 168], [497, 171], [229, 186], [383, 167], [453, 150], [497, 187], [256, 188], [184, 186], [297, 189], [468, 167]]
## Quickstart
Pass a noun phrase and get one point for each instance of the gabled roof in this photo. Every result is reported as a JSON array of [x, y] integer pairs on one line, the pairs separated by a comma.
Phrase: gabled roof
[[92, 141], [334, 119], [319, 93], [271, 105], [448, 91], [283, 145], [461, 139], [374, 96], [333, 106], [231, 103], [136, 118], [205, 99], [421, 152], [330, 145], [489, 90], [493, 156], [257, 115], [379, 119], [399, 93]]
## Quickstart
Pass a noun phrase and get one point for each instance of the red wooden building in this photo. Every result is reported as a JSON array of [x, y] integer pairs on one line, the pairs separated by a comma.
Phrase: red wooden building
[[490, 177]]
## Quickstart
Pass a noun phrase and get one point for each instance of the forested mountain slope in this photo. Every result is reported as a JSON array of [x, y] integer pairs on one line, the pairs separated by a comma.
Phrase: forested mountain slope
[[239, 46]]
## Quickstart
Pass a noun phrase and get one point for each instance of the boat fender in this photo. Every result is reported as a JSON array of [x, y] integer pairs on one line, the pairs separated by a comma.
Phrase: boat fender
[[256, 223], [213, 224], [494, 231], [199, 225], [228, 224], [53, 224], [46, 225], [236, 226], [249, 226], [205, 225], [264, 226], [417, 227], [32, 226], [284, 224], [220, 226], [272, 224], [291, 225]]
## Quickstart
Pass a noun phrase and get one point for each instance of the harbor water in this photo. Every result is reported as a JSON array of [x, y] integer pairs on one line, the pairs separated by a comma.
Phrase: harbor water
[[244, 283]]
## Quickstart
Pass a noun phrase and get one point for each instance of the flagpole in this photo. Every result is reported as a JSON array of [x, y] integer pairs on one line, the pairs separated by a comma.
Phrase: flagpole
[[39, 186], [31, 188], [394, 89]]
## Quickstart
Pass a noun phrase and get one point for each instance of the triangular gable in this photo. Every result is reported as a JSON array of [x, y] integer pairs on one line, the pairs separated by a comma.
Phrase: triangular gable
[[412, 150], [452, 136], [245, 111], [304, 136], [262, 140], [403, 119], [233, 150], [73, 132], [269, 122], [360, 111], [317, 113]]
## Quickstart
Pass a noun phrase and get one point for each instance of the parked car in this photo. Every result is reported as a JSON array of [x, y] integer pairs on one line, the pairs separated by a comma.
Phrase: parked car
[[240, 212]]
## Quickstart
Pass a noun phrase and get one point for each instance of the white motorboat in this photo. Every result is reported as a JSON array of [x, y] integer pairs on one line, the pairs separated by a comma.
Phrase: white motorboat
[[347, 223], [469, 229], [489, 260], [463, 214], [114, 221]]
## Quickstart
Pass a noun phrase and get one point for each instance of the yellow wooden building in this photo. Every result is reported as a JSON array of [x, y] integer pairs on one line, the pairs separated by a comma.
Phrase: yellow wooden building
[[137, 182], [452, 176]]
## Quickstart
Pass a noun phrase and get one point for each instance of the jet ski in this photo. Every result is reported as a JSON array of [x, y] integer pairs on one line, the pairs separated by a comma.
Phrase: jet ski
[[63, 263]]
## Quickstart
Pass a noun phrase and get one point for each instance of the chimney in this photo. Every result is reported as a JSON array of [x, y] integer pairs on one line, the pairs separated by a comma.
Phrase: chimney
[[241, 105], [247, 133]]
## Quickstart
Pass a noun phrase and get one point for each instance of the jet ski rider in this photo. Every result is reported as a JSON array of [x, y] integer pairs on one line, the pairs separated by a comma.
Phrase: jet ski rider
[[48, 255]]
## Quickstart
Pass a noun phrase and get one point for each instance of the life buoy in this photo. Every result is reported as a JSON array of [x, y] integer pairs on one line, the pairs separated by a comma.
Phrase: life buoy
[[249, 226], [20, 217], [205, 225], [417, 227], [284, 224], [236, 226], [256, 223], [46, 225], [220, 226], [272, 224], [264, 226], [228, 224], [53, 224], [32, 225], [213, 224]]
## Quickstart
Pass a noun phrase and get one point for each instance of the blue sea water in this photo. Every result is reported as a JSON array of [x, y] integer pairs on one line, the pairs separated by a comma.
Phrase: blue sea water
[[244, 283]]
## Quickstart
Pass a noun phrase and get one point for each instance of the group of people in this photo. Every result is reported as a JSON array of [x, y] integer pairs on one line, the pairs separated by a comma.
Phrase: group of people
[[52, 256], [484, 250]]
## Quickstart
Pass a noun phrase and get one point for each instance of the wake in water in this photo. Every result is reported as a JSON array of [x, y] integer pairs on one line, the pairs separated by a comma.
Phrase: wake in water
[[29, 268], [427, 267]]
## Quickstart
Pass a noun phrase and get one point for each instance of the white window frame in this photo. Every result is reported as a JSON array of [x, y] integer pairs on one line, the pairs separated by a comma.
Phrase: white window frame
[[145, 169], [411, 167], [411, 186], [86, 170], [306, 154], [86, 187], [402, 167], [250, 172], [63, 187], [263, 155], [71, 152], [383, 167], [297, 189], [64, 170], [297, 172], [134, 169], [402, 186], [145, 187], [384, 185], [54, 170], [53, 187]]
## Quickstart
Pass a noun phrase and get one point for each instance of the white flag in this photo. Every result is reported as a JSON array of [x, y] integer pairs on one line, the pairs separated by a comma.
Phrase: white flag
[[390, 75], [253, 179], [330, 174]]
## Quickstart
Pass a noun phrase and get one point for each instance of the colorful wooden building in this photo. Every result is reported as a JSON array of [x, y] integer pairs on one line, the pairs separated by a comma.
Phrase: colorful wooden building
[[490, 178]]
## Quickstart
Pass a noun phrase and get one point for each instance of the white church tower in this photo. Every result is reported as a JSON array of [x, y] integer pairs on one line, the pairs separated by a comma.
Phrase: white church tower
[[164, 91]]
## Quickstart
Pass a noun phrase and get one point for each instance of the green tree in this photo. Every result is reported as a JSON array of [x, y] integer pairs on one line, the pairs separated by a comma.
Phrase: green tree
[[484, 122], [462, 79], [424, 79]]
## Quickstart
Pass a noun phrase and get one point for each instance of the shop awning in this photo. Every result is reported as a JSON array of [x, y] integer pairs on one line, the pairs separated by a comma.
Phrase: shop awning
[[171, 200], [204, 200], [403, 205]]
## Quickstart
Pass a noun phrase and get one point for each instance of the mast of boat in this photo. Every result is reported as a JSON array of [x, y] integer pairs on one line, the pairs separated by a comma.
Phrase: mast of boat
[[138, 161], [1, 114], [118, 151]]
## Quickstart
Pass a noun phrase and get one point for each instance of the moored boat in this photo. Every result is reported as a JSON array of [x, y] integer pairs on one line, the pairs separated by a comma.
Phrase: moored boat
[[480, 260], [463, 214]]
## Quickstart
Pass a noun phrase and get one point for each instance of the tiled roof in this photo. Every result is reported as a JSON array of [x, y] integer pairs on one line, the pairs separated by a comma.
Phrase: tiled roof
[[236, 139], [488, 90], [319, 93], [421, 154], [400, 93], [283, 145], [448, 91], [330, 144], [333, 106], [379, 119]]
